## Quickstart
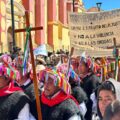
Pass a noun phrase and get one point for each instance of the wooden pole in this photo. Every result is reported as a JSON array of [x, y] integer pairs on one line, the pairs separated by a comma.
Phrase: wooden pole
[[38, 105], [73, 5], [34, 72], [69, 59], [116, 55], [13, 24]]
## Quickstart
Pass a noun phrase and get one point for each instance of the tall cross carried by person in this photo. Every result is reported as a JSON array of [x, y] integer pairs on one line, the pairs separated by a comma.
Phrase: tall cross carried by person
[[29, 44], [116, 56]]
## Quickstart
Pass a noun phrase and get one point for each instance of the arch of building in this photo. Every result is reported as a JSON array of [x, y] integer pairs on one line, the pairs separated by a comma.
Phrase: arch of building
[[20, 7], [19, 11]]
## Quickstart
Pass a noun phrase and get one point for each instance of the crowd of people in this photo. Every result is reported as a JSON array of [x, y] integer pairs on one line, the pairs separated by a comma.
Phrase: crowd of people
[[70, 88]]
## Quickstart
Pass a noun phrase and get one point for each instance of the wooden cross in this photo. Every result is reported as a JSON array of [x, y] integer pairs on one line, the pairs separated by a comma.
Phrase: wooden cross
[[116, 59], [116, 55], [114, 45], [33, 63], [69, 59]]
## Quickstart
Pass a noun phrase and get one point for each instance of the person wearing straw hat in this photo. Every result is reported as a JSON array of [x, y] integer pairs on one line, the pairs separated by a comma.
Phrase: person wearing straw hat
[[40, 61], [14, 104], [56, 101]]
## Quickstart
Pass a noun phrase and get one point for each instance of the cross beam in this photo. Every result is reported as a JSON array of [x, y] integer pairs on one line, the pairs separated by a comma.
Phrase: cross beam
[[32, 29], [114, 46]]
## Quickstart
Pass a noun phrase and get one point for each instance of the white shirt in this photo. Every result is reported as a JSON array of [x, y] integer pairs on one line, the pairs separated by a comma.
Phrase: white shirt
[[75, 117], [94, 100], [25, 114], [27, 82], [83, 108]]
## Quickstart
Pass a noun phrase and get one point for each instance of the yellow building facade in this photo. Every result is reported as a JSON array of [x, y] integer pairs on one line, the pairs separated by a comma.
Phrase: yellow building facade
[[6, 25], [61, 38], [60, 32]]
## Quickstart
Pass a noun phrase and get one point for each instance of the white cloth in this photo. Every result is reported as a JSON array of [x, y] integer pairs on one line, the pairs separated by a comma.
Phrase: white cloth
[[75, 117], [116, 84], [83, 108], [27, 82], [25, 114], [94, 100], [95, 117]]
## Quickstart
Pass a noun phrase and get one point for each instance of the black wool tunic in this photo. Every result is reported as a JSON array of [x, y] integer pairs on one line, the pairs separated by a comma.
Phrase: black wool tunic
[[11, 105], [62, 111]]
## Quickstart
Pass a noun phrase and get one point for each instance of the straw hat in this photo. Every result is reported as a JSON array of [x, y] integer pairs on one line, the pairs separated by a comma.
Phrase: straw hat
[[42, 61]]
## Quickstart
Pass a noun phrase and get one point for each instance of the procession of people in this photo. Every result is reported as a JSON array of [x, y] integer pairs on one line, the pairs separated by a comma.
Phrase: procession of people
[[70, 88], [71, 72]]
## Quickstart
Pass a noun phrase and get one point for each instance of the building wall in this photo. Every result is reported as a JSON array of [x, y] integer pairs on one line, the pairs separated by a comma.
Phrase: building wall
[[61, 38], [46, 21], [3, 42], [6, 24], [51, 14], [19, 23], [40, 21]]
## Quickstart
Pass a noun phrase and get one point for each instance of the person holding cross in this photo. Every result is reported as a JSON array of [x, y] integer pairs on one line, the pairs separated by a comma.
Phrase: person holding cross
[[56, 101], [25, 82]]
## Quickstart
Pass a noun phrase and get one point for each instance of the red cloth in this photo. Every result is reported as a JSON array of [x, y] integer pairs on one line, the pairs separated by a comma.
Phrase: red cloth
[[57, 99], [9, 89]]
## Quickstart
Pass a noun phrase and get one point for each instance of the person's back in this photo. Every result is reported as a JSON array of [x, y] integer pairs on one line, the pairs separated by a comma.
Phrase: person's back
[[89, 84], [29, 91], [11, 105], [14, 104]]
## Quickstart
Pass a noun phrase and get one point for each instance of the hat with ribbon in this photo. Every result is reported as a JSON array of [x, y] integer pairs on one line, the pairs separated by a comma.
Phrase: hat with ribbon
[[8, 73], [87, 60], [59, 79]]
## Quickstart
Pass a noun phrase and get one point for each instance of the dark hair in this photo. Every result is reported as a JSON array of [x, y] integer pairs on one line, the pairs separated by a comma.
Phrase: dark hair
[[84, 63], [4, 77], [73, 83], [112, 110], [107, 85]]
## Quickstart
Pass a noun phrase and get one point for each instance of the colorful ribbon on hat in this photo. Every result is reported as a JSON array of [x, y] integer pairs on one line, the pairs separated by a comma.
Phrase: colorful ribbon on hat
[[59, 80], [87, 60], [73, 75], [8, 72]]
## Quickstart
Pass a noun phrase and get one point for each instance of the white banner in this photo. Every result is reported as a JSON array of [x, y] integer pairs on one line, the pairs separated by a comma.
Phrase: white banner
[[94, 32]]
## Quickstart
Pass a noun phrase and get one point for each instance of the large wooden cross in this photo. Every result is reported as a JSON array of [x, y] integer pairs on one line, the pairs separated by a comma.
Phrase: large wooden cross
[[33, 63], [116, 56]]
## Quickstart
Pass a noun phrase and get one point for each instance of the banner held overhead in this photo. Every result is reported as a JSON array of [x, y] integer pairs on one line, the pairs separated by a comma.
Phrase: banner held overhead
[[94, 32]]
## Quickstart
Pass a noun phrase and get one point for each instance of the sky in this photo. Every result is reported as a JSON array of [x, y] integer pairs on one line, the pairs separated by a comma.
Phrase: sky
[[106, 4]]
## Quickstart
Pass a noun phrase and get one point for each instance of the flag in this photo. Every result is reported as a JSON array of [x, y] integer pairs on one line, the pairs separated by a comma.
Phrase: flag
[[26, 54], [41, 50]]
